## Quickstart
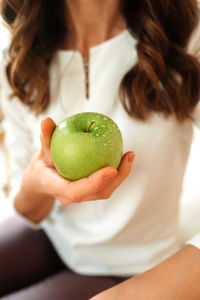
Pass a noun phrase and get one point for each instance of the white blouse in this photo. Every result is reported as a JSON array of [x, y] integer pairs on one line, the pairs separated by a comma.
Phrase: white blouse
[[138, 226]]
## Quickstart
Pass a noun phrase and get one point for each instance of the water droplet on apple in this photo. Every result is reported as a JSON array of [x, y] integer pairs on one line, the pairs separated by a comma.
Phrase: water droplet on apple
[[105, 118], [103, 135], [62, 125], [97, 134], [103, 126]]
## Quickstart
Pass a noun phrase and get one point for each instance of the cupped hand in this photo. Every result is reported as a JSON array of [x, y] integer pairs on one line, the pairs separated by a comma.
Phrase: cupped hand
[[99, 185]]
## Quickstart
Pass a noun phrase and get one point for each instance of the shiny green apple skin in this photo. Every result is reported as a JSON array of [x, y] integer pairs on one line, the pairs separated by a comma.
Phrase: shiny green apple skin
[[77, 150]]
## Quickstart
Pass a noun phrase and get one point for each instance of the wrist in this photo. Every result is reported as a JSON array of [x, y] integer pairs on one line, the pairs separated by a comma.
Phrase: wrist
[[31, 202]]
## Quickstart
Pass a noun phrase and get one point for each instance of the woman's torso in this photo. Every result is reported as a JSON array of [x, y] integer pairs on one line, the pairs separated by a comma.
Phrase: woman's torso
[[137, 226]]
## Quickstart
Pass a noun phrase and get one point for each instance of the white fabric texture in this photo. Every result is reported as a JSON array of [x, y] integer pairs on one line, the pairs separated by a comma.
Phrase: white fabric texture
[[138, 226]]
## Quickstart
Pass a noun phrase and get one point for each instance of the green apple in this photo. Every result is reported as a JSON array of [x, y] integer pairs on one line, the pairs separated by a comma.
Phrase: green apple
[[84, 143]]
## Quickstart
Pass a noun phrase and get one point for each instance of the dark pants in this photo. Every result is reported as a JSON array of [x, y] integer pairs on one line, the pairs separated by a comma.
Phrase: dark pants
[[30, 269]]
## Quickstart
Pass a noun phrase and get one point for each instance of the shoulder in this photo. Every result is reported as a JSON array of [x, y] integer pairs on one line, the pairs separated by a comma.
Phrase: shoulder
[[14, 106]]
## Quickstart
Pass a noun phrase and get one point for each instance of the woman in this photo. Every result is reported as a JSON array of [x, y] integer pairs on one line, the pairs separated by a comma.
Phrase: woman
[[127, 60]]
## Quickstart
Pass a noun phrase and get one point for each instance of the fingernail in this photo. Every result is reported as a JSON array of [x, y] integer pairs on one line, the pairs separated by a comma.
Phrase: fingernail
[[131, 157], [109, 175]]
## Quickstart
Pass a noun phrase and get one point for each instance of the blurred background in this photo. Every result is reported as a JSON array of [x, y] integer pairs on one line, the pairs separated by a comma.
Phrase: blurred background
[[190, 200]]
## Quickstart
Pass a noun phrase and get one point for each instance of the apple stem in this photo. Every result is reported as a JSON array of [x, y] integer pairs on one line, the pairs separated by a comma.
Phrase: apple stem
[[92, 122]]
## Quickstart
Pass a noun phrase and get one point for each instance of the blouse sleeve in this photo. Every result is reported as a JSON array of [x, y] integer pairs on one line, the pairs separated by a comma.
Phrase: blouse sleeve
[[17, 138]]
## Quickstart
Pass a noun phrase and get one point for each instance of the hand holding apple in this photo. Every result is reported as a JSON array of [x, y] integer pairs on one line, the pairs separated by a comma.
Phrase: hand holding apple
[[42, 184], [45, 179]]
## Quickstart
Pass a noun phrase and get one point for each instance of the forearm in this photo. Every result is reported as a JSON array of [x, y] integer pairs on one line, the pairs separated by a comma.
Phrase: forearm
[[32, 205], [177, 278]]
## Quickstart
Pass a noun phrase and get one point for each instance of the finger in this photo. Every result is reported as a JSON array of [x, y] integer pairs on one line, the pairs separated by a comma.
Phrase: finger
[[78, 190], [123, 172], [125, 165]]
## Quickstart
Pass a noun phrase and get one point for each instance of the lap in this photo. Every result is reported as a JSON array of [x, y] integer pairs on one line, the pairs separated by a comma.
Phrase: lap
[[65, 285], [26, 255], [31, 269]]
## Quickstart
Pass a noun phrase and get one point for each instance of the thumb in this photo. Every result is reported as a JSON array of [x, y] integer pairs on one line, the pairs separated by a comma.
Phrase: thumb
[[47, 128]]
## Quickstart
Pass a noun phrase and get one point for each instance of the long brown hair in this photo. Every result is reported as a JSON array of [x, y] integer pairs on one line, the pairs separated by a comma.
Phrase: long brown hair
[[165, 79]]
